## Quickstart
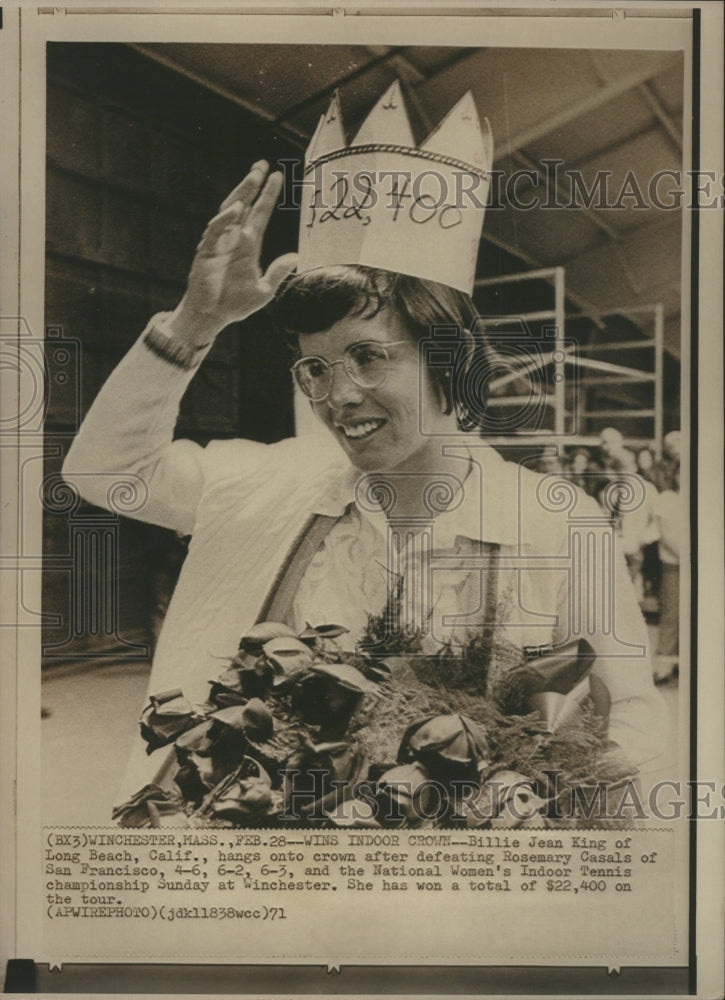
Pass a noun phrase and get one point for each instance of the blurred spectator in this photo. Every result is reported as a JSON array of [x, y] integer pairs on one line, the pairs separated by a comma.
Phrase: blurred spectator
[[549, 463], [651, 571], [611, 447], [645, 464], [672, 445], [668, 510], [608, 456], [579, 470], [663, 471], [630, 501]]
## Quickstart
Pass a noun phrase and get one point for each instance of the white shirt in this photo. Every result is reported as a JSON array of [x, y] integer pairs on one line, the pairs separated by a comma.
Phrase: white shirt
[[668, 513]]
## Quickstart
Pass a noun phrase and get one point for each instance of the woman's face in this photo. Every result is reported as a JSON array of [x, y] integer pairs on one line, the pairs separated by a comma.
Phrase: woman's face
[[380, 429]]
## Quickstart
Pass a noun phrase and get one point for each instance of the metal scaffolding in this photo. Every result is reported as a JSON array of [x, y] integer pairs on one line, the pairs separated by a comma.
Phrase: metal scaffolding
[[576, 369]]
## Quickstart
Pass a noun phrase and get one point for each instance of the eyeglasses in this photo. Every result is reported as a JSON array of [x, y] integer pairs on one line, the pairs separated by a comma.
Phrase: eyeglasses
[[365, 363]]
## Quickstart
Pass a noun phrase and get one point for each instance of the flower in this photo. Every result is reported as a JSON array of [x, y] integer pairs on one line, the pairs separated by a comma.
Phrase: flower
[[328, 695], [356, 813], [165, 718], [213, 749], [246, 792], [406, 794], [506, 799], [247, 676], [554, 685], [254, 719], [289, 659], [138, 810], [254, 640], [450, 746], [314, 636], [319, 776]]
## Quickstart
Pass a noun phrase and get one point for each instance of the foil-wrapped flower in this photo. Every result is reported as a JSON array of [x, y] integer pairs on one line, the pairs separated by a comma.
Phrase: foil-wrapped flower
[[315, 635], [328, 695], [452, 747], [164, 814], [320, 776], [253, 641], [166, 717], [253, 719], [406, 794], [138, 810], [288, 658], [246, 676], [354, 813], [506, 799], [555, 685], [213, 749], [246, 792]]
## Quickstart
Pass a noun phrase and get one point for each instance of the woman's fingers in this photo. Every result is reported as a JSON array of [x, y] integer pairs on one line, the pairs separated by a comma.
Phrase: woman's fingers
[[246, 191], [216, 228], [240, 208], [227, 281], [261, 210]]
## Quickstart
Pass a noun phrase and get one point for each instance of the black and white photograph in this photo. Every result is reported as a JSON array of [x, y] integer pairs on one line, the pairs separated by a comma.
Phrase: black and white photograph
[[497, 524], [365, 486]]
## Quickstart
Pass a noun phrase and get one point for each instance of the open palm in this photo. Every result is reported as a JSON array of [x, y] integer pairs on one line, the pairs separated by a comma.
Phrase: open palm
[[226, 282]]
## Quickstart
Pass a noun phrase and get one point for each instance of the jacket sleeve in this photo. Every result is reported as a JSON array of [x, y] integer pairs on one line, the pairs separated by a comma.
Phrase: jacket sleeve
[[124, 457]]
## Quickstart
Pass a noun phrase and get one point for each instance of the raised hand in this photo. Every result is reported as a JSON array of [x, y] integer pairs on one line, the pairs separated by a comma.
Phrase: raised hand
[[226, 283]]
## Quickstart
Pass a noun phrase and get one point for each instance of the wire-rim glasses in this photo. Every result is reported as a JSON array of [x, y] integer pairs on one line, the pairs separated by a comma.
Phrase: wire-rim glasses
[[365, 363]]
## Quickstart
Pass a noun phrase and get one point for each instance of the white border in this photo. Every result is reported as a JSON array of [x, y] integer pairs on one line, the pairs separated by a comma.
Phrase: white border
[[504, 30]]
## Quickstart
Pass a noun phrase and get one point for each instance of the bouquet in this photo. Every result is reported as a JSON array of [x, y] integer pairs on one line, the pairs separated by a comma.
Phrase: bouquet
[[297, 731]]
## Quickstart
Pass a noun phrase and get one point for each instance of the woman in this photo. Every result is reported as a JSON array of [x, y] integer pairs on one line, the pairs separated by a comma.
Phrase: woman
[[301, 532], [579, 469], [629, 500]]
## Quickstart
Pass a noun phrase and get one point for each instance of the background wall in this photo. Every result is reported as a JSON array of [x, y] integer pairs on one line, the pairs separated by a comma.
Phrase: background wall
[[138, 160]]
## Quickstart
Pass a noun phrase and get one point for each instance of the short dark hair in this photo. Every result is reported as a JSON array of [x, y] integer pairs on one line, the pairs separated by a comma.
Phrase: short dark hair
[[315, 300]]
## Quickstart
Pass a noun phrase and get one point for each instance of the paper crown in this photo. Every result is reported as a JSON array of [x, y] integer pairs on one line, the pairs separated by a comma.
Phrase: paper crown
[[384, 202]]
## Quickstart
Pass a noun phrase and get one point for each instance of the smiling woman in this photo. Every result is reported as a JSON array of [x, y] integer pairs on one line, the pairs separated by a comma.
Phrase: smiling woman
[[412, 535], [378, 426]]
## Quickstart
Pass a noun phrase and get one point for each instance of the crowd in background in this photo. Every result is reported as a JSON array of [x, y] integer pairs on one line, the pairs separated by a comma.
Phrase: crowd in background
[[641, 495]]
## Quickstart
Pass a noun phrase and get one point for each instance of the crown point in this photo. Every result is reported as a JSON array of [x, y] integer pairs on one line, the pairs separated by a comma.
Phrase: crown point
[[388, 121], [460, 134], [329, 134]]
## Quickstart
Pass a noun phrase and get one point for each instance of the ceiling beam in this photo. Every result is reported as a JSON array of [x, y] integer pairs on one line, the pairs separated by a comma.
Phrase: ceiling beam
[[320, 95], [289, 132], [665, 120], [411, 73], [654, 225], [583, 303], [558, 186], [411, 76], [578, 108]]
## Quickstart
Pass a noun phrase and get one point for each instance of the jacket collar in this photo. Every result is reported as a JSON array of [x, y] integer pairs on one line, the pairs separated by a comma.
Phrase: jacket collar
[[488, 509]]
